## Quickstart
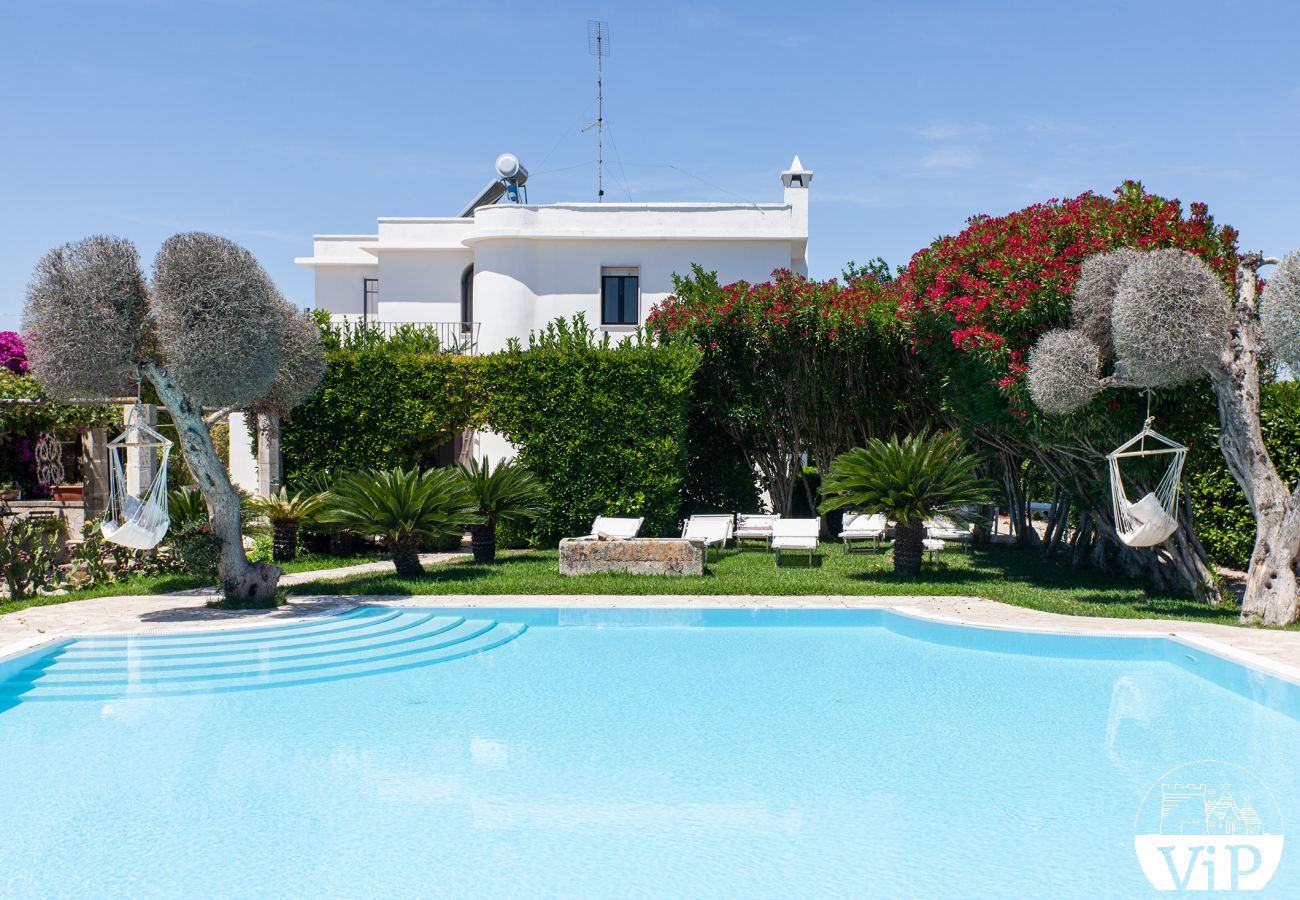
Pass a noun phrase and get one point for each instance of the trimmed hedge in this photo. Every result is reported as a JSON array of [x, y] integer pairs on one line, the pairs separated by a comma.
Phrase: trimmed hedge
[[602, 426], [718, 477], [379, 408], [1222, 516]]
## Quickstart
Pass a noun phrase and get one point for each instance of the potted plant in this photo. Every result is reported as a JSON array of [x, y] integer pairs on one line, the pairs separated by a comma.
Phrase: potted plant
[[286, 512], [69, 493], [505, 493]]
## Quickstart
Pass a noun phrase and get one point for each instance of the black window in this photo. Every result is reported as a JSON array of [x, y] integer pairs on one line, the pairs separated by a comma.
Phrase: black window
[[369, 296], [618, 299], [467, 300]]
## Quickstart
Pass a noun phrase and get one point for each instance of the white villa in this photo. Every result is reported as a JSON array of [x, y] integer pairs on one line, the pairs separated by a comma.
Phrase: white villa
[[500, 270]]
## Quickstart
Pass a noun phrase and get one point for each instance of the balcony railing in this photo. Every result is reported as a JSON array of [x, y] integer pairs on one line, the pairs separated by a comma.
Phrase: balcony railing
[[446, 337]]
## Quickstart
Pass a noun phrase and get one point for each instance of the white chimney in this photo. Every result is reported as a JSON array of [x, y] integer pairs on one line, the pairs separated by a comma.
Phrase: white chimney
[[795, 180]]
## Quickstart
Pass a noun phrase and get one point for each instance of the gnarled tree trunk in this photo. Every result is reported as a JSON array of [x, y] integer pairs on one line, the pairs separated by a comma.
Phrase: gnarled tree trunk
[[1271, 581], [242, 583]]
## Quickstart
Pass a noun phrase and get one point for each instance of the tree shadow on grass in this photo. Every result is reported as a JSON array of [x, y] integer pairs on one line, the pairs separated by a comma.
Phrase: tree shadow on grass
[[1166, 607], [300, 608], [389, 584], [800, 562]]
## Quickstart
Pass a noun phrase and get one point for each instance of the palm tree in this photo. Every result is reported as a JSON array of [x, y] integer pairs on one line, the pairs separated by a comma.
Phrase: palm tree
[[507, 492], [187, 509], [286, 512], [909, 481], [405, 506]]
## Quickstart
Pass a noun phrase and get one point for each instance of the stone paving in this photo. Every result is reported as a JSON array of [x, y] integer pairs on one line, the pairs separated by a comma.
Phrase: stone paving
[[1277, 651]]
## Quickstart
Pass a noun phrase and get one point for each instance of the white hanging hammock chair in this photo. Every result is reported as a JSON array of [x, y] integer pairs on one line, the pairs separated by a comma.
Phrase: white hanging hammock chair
[[1154, 518], [138, 522]]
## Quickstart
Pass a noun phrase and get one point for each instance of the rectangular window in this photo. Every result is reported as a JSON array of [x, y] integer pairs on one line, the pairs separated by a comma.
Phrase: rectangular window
[[369, 297], [620, 295]]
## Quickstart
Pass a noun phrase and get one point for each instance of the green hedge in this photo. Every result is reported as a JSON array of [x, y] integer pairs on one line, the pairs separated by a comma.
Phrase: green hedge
[[602, 426], [379, 408], [1222, 516], [718, 478]]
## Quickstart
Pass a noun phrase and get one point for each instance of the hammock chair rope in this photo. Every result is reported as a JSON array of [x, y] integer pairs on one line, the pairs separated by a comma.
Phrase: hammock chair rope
[[131, 521], [1154, 518]]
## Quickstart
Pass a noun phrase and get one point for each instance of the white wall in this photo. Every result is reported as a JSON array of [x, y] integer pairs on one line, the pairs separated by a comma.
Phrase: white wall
[[421, 286], [243, 463], [339, 288], [521, 284]]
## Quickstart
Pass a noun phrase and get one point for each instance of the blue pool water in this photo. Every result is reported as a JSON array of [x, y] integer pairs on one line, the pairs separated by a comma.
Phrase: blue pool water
[[624, 753]]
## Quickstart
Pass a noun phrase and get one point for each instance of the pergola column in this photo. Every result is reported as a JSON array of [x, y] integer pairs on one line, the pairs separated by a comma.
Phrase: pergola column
[[269, 462], [94, 470], [141, 462]]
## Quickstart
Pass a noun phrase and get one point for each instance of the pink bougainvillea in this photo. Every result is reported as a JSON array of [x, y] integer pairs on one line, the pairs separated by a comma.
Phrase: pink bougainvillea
[[13, 353]]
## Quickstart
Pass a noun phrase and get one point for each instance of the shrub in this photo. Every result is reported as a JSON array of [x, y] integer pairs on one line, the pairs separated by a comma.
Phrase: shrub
[[28, 554], [1223, 519], [22, 426], [792, 367], [718, 477], [602, 427], [196, 550], [377, 409]]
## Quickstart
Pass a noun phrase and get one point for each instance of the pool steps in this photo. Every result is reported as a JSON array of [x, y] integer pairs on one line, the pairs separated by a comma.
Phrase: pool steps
[[369, 641]]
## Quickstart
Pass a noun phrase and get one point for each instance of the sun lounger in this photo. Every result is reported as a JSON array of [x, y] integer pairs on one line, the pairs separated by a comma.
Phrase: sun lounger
[[610, 528], [941, 528], [754, 527], [795, 534], [711, 530], [863, 527]]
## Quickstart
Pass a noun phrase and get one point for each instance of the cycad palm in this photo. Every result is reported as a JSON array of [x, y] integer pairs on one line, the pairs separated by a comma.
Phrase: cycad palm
[[286, 512], [504, 493], [403, 505], [908, 481]]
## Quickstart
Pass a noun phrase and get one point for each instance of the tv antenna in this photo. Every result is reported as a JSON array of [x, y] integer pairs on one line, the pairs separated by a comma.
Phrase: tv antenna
[[598, 46]]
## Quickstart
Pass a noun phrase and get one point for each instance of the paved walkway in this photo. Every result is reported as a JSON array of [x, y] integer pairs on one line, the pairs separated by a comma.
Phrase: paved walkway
[[1276, 651]]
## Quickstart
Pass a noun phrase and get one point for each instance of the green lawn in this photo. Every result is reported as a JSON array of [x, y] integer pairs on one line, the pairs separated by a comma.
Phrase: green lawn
[[998, 573], [164, 584]]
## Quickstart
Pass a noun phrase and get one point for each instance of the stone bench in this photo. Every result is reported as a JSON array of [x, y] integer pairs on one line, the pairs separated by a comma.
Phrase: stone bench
[[637, 556]]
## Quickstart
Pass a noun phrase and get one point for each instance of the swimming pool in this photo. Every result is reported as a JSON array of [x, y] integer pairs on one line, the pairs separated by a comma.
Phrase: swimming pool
[[603, 752]]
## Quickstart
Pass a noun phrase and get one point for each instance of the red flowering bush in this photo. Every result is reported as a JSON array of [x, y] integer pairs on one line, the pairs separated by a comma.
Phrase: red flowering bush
[[792, 366], [977, 301]]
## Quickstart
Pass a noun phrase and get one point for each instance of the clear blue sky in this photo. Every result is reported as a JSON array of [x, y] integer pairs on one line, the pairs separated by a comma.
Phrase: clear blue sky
[[269, 120]]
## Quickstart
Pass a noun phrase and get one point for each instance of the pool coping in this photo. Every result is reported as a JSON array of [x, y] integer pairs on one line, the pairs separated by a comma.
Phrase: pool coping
[[947, 610]]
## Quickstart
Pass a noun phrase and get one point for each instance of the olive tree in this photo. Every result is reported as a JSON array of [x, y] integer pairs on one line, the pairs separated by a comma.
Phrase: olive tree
[[211, 330], [1163, 318]]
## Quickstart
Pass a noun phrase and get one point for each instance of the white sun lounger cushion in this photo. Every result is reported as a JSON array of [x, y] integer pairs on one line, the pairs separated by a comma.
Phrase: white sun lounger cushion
[[864, 525], [795, 534]]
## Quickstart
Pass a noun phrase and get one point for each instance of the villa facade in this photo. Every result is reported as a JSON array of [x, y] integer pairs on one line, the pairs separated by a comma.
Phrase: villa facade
[[501, 271]]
